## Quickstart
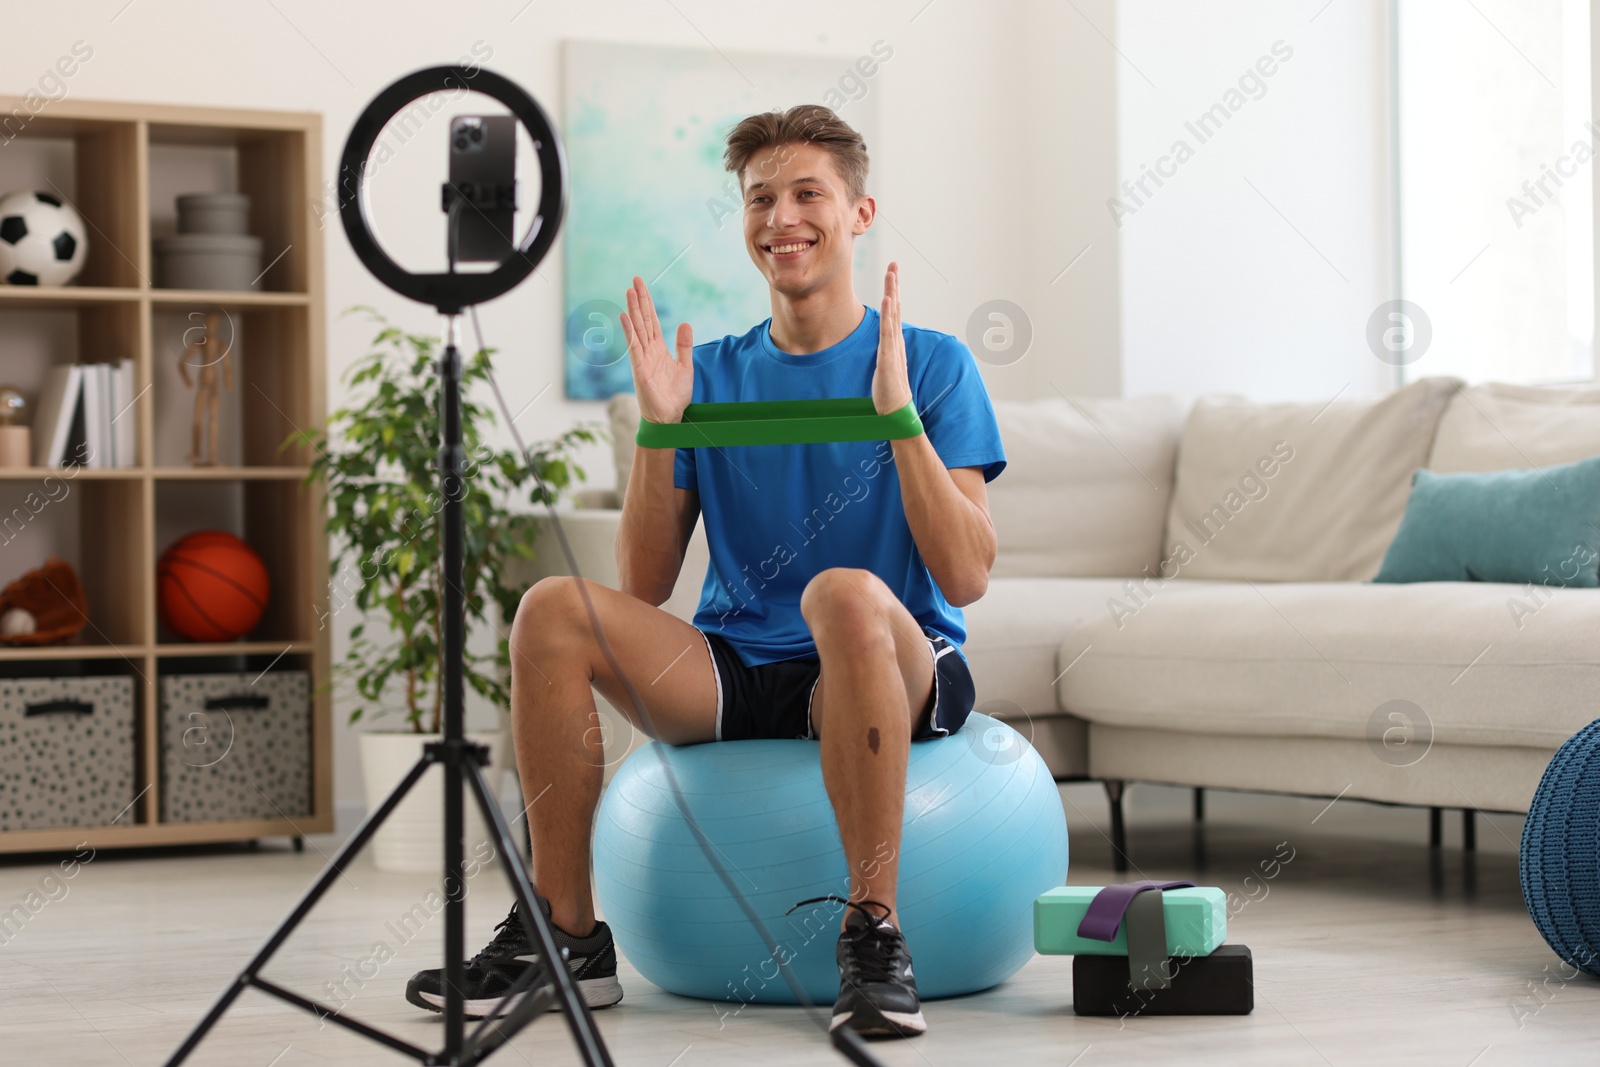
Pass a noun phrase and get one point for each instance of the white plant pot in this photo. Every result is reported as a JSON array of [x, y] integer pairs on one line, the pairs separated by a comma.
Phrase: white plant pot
[[412, 839]]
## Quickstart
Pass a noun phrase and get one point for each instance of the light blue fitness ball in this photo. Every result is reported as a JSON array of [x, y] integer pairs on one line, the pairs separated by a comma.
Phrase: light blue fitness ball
[[984, 834]]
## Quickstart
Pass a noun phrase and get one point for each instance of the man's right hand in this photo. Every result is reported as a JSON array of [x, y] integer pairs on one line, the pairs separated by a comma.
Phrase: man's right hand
[[663, 385]]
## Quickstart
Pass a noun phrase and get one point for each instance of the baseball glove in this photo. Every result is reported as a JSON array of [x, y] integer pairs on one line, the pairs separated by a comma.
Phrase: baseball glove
[[54, 596]]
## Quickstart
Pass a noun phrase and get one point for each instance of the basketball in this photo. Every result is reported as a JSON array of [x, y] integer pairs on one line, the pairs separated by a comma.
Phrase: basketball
[[211, 586]]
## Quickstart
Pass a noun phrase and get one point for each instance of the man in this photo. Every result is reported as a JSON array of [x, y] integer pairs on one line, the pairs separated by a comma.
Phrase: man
[[831, 606]]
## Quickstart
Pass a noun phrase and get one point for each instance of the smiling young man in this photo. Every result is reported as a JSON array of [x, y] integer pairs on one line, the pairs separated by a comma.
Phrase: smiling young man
[[831, 606]]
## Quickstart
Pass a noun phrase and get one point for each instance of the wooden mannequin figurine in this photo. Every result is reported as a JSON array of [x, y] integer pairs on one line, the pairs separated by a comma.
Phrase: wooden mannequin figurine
[[213, 351]]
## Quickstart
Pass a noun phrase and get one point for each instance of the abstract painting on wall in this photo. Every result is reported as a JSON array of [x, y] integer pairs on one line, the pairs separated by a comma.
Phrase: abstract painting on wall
[[644, 130]]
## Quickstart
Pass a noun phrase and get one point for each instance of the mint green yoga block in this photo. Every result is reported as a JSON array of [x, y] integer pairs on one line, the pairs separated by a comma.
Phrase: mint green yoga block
[[1197, 922]]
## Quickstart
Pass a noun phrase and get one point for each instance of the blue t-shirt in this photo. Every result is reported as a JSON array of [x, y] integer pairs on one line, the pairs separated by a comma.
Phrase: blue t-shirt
[[777, 515]]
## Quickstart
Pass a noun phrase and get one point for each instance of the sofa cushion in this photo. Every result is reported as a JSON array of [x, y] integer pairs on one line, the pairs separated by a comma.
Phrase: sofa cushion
[[1500, 526], [1292, 492], [1496, 427], [1014, 633], [1086, 486], [1486, 663]]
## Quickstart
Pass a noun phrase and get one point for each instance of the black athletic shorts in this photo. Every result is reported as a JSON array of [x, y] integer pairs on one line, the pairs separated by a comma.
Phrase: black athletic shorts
[[773, 700]]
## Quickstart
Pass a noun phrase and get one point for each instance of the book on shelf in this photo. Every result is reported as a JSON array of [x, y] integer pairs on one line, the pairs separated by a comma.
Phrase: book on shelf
[[86, 416], [122, 416], [59, 404], [96, 416]]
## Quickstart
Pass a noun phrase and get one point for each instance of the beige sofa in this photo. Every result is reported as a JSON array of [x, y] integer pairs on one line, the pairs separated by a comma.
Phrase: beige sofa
[[1182, 595]]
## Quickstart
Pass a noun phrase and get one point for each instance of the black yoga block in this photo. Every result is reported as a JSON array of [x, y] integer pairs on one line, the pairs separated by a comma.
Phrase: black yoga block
[[1218, 984]]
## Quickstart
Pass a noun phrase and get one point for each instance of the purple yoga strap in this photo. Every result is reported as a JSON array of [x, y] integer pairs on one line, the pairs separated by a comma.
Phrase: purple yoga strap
[[1104, 915]]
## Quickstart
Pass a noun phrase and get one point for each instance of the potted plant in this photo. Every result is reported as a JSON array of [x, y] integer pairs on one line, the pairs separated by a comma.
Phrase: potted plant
[[378, 459]]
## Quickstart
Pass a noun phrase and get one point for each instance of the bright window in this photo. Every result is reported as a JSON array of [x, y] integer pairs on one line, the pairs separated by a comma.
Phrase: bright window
[[1496, 172]]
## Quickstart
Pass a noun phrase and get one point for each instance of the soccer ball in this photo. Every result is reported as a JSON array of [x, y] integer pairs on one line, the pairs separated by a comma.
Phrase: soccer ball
[[42, 240]]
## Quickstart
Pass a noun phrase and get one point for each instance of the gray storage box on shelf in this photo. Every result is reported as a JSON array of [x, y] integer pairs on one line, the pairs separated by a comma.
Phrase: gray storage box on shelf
[[213, 213], [66, 752], [235, 746], [213, 248], [208, 261]]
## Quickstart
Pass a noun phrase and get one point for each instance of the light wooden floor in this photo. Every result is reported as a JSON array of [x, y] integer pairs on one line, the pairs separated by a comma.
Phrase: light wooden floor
[[1369, 949]]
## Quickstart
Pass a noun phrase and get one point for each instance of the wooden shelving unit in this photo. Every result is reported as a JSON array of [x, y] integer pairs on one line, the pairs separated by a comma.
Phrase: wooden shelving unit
[[276, 158]]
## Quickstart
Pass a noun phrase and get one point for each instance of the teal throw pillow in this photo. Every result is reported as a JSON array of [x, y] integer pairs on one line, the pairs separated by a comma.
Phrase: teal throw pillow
[[1518, 526]]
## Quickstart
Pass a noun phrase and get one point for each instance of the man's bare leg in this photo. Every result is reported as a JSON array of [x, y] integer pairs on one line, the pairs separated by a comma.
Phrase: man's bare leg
[[878, 676], [555, 659]]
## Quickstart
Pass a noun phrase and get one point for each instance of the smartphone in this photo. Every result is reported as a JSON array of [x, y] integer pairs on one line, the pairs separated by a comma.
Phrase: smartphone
[[483, 168]]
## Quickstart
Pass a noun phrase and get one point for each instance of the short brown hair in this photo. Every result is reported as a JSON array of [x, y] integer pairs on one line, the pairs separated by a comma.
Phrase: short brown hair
[[801, 124]]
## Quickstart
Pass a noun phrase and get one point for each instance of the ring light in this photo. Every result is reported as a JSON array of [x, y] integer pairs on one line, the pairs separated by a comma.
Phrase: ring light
[[451, 292]]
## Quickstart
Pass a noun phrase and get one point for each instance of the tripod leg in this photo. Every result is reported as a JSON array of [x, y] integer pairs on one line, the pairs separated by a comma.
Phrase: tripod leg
[[1119, 833], [579, 1018], [223, 1003], [308, 900]]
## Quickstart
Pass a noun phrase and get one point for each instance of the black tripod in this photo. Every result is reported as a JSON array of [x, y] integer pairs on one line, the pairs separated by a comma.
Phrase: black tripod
[[461, 760], [463, 764]]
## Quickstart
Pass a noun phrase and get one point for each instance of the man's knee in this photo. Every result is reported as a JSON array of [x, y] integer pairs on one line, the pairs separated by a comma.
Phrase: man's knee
[[847, 598], [550, 611]]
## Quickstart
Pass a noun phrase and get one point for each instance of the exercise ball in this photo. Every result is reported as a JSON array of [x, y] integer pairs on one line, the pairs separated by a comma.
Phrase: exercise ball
[[211, 586], [1560, 861], [984, 834]]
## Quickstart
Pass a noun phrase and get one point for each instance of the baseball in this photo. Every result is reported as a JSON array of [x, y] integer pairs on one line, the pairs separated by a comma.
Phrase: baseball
[[17, 621]]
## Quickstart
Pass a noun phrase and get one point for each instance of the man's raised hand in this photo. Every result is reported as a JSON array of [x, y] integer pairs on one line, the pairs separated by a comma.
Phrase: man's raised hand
[[663, 385], [891, 386]]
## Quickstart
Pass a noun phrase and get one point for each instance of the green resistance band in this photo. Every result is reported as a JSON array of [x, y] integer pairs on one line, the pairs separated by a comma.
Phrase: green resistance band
[[780, 422]]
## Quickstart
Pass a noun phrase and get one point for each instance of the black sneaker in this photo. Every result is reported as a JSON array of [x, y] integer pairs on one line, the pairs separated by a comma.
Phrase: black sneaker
[[509, 956], [877, 994]]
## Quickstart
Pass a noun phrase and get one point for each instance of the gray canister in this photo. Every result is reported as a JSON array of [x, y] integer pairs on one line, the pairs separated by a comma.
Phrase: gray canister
[[214, 213], [208, 261]]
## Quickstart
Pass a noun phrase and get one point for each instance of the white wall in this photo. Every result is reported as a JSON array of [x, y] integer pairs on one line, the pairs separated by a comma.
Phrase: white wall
[[1066, 131], [1255, 267], [998, 149]]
